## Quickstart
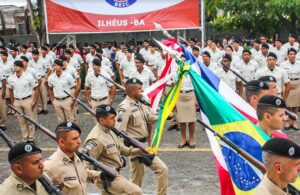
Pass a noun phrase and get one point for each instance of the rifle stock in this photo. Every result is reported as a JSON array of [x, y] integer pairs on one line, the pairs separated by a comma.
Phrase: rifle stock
[[47, 184], [134, 142], [107, 169]]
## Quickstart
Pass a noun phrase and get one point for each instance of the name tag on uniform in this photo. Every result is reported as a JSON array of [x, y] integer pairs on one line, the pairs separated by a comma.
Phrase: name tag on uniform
[[111, 145], [69, 178], [134, 110]]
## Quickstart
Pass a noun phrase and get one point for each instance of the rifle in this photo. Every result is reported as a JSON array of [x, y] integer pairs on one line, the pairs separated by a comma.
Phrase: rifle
[[103, 167], [47, 184], [244, 154], [119, 133]]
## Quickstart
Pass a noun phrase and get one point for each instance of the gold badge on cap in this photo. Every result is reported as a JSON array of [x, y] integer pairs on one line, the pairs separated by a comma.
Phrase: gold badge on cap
[[291, 151], [28, 148], [278, 102]]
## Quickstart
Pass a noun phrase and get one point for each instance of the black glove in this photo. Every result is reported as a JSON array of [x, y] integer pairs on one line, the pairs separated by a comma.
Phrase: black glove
[[146, 159], [106, 180], [127, 143]]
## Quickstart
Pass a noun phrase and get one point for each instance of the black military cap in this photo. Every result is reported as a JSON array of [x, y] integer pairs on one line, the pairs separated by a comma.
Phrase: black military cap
[[228, 57], [21, 150], [68, 126], [271, 54], [58, 62], [24, 58], [67, 51], [282, 147], [133, 81], [19, 63], [13, 49], [35, 52], [273, 101], [140, 58], [267, 79], [104, 109], [291, 50], [257, 85], [24, 47], [129, 50], [265, 45], [62, 57], [247, 51], [97, 62], [206, 53], [44, 48]]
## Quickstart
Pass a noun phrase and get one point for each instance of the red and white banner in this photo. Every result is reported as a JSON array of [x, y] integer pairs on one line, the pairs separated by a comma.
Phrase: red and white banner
[[97, 16]]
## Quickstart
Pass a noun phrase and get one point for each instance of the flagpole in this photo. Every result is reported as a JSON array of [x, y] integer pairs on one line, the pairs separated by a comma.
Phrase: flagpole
[[202, 23]]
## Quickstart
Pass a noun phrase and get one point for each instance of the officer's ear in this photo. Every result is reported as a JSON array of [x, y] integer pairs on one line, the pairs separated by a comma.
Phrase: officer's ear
[[277, 167], [267, 116], [253, 99], [17, 168]]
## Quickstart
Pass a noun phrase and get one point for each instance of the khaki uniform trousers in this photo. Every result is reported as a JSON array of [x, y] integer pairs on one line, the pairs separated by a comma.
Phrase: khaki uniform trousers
[[27, 128], [159, 168], [97, 103], [121, 186], [63, 110], [3, 116], [43, 95]]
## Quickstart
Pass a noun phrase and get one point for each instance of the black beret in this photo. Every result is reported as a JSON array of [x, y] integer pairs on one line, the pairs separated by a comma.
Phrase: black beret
[[104, 109], [35, 52], [247, 51], [44, 48], [133, 81], [267, 79], [58, 62], [68, 126], [21, 150], [129, 50], [196, 48], [139, 57], [24, 58], [273, 101], [24, 47], [265, 45], [13, 49], [291, 50], [62, 57], [4, 53], [67, 51], [97, 62], [228, 57], [206, 53], [271, 54], [257, 85], [282, 147], [19, 63]]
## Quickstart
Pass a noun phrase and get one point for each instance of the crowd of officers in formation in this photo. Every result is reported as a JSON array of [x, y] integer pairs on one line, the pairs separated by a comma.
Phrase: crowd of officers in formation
[[32, 76]]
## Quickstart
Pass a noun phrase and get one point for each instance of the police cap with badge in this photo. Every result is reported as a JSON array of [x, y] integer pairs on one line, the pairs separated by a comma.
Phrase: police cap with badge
[[267, 79], [282, 147], [19, 63], [256, 85], [139, 57], [103, 110], [133, 81], [68, 126], [21, 150], [271, 100]]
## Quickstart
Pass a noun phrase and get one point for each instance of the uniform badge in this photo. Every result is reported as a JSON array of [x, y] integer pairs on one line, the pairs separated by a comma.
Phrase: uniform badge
[[110, 146], [134, 80], [120, 113], [261, 84], [291, 151], [90, 145], [107, 108], [28, 148], [19, 186], [271, 78], [278, 102], [69, 124]]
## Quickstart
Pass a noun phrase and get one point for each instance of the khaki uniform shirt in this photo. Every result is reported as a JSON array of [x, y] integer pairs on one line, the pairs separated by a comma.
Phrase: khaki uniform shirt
[[89, 60], [41, 66], [99, 86], [293, 70], [146, 76], [69, 174], [77, 57], [105, 146], [247, 70], [7, 69], [228, 77], [132, 117], [127, 67], [267, 187], [61, 83], [13, 185]]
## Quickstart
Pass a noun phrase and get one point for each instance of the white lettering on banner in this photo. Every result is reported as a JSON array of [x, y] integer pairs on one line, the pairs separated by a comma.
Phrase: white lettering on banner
[[120, 5], [115, 22]]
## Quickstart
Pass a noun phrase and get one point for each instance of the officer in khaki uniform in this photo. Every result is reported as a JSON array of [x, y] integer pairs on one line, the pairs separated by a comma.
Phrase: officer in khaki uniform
[[102, 91], [132, 117], [20, 87], [58, 82], [281, 158], [27, 166], [64, 167], [104, 145], [2, 103]]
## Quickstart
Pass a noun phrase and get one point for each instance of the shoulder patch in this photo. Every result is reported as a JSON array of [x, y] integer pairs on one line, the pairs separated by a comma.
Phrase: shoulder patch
[[90, 145], [120, 113], [135, 110], [69, 178]]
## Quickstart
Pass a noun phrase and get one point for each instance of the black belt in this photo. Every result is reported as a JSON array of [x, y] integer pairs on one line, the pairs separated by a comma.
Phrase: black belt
[[63, 98], [150, 65], [23, 98], [294, 79], [188, 91], [42, 76], [142, 139], [98, 100], [126, 77]]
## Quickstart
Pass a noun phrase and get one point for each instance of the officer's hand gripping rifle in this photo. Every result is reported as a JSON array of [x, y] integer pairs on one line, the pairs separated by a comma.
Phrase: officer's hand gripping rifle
[[47, 184], [103, 167], [132, 141]]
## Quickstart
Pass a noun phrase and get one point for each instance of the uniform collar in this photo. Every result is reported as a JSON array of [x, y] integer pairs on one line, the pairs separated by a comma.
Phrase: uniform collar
[[20, 184], [132, 101], [105, 129], [65, 158], [272, 187]]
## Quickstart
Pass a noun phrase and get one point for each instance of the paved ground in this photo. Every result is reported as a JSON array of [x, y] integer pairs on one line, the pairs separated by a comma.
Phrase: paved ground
[[190, 171]]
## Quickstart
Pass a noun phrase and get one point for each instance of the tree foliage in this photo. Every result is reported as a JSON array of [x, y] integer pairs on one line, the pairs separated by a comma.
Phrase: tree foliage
[[254, 16]]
